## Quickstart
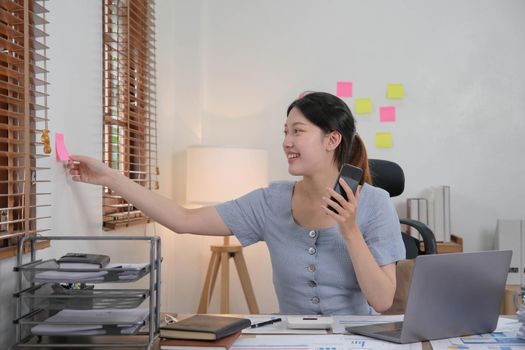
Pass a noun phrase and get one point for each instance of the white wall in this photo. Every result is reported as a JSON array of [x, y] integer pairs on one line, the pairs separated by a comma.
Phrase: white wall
[[227, 71], [460, 124]]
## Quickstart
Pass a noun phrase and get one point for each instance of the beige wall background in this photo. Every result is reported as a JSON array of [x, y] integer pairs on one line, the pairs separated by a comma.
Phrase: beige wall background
[[228, 69]]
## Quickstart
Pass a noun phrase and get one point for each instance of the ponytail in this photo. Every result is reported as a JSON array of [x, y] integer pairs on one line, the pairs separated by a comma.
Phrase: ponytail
[[359, 158]]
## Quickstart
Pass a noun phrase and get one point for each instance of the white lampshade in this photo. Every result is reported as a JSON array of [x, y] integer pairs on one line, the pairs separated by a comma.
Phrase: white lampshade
[[218, 174]]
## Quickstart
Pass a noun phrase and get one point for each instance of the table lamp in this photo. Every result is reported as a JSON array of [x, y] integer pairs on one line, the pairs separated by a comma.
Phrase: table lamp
[[215, 175]]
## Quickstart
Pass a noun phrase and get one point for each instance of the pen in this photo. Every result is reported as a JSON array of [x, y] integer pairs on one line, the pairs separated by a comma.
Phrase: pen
[[260, 324]]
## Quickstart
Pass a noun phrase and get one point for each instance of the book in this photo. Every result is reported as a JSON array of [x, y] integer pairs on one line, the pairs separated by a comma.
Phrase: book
[[185, 344], [204, 327], [98, 259]]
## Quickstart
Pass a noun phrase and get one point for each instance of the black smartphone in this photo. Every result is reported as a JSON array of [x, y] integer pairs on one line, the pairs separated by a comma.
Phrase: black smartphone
[[352, 175]]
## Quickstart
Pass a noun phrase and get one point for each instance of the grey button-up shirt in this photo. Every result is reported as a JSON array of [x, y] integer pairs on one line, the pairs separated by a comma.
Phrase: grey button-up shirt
[[312, 270]]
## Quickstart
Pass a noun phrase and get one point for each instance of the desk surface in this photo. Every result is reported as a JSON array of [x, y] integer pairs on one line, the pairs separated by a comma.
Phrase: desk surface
[[425, 345], [140, 339]]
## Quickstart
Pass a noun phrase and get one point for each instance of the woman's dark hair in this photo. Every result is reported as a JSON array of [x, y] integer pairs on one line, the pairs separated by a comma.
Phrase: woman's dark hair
[[330, 113]]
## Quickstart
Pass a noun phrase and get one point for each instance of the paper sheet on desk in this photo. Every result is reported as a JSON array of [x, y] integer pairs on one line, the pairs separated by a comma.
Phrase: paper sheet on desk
[[504, 337], [292, 342], [317, 342]]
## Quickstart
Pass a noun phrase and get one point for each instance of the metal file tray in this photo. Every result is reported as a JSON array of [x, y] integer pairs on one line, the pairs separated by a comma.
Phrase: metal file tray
[[55, 297], [77, 292], [50, 271]]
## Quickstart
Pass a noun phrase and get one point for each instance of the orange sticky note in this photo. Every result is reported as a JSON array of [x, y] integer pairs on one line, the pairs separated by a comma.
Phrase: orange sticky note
[[387, 114], [60, 148]]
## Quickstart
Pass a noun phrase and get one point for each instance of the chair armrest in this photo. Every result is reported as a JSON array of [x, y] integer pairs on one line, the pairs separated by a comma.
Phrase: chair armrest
[[426, 233]]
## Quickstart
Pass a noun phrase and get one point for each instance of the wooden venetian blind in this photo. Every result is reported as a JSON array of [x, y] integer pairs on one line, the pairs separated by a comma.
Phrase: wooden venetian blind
[[23, 118], [130, 127]]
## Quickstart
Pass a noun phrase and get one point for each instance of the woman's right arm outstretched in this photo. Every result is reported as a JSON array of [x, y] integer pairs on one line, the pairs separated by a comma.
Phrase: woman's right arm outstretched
[[202, 221]]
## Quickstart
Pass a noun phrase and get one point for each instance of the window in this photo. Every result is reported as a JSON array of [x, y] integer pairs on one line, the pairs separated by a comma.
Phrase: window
[[130, 127], [24, 137]]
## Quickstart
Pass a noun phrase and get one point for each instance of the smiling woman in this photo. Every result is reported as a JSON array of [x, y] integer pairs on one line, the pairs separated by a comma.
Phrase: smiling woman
[[325, 262]]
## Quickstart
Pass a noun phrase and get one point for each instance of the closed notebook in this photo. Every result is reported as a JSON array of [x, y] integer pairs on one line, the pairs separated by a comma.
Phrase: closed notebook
[[185, 344], [204, 327]]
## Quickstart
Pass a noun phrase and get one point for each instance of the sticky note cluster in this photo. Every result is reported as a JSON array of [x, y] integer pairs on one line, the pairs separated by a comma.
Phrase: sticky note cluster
[[364, 105]]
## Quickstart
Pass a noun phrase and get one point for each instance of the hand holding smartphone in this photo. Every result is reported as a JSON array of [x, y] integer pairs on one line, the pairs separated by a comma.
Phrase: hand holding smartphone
[[352, 176]]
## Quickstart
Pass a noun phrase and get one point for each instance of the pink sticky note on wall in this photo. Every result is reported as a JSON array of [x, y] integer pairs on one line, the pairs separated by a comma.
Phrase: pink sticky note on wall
[[60, 147], [387, 114], [344, 89]]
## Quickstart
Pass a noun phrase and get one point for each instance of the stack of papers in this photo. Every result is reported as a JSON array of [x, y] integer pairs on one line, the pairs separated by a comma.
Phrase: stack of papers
[[129, 272], [503, 338], [107, 321], [521, 318]]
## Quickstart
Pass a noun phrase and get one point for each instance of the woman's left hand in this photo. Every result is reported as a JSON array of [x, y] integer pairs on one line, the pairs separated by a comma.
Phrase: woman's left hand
[[345, 211]]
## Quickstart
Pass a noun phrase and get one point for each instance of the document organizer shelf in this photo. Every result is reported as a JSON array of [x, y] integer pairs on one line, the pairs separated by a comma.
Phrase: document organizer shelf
[[95, 317]]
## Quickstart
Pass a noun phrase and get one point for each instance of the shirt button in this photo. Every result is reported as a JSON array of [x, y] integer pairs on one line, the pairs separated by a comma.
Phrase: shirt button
[[312, 284], [315, 300], [311, 268], [311, 251], [312, 234]]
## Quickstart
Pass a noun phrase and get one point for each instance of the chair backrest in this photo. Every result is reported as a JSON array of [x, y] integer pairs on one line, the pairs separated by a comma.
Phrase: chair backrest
[[390, 177], [387, 175]]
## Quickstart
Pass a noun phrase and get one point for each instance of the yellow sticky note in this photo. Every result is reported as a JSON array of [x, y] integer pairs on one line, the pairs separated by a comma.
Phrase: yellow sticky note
[[363, 105], [384, 139], [395, 91]]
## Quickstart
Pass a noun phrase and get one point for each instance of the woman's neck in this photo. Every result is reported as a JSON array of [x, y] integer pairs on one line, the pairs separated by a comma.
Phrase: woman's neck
[[314, 186]]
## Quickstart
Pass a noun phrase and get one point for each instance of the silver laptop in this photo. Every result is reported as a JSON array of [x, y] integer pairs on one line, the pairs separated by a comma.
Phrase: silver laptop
[[450, 295]]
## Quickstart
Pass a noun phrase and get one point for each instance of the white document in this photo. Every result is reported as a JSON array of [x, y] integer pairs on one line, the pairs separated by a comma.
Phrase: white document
[[317, 342], [72, 322], [505, 336], [340, 322], [292, 342], [365, 343], [69, 277]]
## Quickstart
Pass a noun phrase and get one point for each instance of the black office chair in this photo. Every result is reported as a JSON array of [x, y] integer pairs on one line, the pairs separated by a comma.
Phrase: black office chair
[[390, 177]]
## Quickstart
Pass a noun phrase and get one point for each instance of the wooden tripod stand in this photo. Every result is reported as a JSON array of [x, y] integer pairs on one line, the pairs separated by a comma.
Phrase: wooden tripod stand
[[220, 257]]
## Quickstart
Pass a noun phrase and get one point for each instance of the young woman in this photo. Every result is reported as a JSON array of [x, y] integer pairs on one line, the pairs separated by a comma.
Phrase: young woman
[[324, 262]]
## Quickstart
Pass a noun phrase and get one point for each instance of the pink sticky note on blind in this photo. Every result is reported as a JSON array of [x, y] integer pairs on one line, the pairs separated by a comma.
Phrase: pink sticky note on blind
[[387, 114], [344, 89], [60, 147]]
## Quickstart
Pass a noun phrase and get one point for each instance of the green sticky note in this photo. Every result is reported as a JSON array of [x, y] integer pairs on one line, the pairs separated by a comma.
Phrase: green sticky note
[[384, 139], [363, 105], [395, 91]]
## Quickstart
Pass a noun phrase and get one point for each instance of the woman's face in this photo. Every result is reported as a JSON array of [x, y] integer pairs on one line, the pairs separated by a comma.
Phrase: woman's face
[[305, 145]]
